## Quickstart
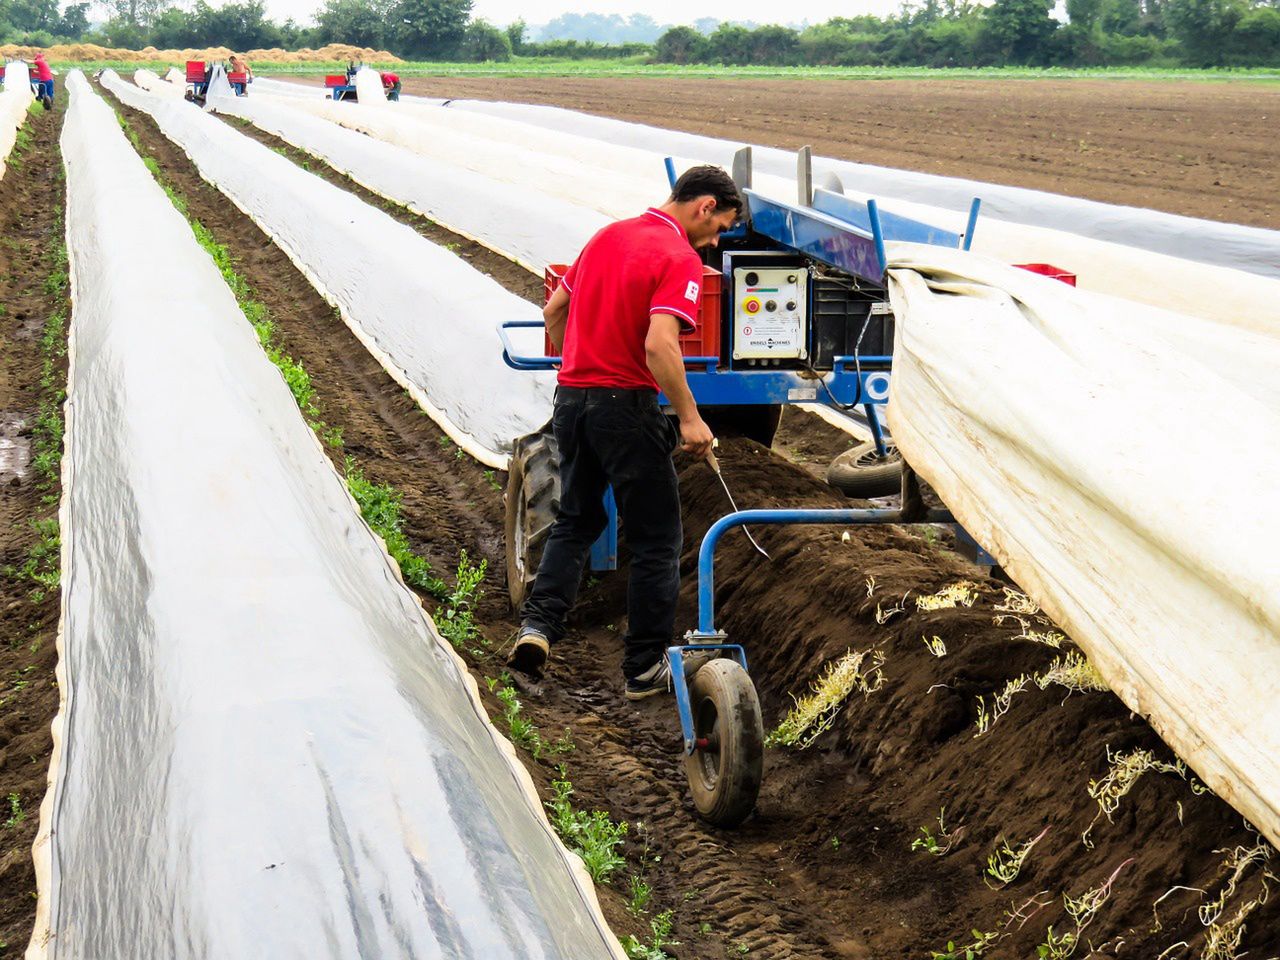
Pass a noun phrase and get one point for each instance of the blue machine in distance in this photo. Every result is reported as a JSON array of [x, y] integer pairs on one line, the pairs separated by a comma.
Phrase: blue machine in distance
[[804, 319]]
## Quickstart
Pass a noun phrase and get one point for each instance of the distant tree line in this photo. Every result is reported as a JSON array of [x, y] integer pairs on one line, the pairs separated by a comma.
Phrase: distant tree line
[[956, 33], [939, 33]]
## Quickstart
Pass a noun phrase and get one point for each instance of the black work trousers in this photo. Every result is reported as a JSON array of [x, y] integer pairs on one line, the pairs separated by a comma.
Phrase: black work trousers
[[614, 437]]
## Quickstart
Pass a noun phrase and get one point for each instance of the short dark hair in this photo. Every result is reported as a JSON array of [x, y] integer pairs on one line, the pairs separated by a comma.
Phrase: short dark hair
[[708, 180]]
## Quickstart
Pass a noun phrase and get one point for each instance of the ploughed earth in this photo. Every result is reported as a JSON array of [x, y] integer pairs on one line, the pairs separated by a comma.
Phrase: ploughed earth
[[33, 309], [1199, 148], [845, 856]]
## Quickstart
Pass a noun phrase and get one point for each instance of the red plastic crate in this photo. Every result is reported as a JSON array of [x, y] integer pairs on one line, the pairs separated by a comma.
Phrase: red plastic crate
[[1049, 270], [703, 342], [195, 71], [335, 80]]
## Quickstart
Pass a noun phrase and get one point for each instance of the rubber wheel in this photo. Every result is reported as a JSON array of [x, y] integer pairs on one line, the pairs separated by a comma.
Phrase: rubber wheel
[[531, 501], [724, 776], [862, 472]]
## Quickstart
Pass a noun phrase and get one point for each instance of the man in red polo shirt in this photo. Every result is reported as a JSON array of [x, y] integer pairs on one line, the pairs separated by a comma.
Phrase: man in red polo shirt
[[617, 319]]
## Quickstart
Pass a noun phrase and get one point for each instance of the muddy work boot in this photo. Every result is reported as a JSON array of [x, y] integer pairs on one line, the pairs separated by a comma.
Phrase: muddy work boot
[[530, 651], [657, 679]]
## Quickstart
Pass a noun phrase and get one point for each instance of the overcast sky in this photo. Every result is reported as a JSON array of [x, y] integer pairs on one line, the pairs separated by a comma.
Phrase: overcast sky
[[664, 11]]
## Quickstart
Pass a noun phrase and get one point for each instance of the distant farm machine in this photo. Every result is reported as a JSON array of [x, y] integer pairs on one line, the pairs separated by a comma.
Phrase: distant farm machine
[[201, 74], [342, 86], [795, 310]]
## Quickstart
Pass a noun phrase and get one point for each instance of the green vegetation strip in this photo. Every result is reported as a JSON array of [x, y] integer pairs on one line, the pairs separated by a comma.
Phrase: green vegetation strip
[[380, 504], [41, 565]]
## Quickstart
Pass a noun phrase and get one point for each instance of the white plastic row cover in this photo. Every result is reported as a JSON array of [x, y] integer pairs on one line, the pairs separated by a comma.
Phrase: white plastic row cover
[[1251, 249], [15, 98], [424, 313], [264, 747], [1103, 453], [621, 173]]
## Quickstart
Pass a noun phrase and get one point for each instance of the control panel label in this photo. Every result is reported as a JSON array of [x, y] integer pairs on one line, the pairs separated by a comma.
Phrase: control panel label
[[770, 309]]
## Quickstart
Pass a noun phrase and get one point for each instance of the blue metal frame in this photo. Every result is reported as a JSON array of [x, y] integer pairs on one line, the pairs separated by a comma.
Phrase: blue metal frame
[[849, 381], [344, 93], [680, 684], [706, 636]]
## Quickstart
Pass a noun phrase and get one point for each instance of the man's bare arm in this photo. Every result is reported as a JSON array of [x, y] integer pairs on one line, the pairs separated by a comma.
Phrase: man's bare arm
[[556, 313], [662, 354]]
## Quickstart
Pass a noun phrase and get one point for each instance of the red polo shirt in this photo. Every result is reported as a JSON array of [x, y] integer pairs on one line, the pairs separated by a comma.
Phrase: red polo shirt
[[627, 272]]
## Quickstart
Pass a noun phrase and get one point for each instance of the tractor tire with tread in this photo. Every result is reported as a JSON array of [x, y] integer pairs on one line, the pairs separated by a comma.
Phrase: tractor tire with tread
[[531, 502], [725, 775], [862, 473]]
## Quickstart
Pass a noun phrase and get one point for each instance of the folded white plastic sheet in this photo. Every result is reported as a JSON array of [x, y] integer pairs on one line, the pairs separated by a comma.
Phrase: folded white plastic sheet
[[368, 86], [175, 85], [617, 179], [427, 316], [264, 749], [614, 181], [15, 98], [517, 221], [1150, 537], [1250, 249]]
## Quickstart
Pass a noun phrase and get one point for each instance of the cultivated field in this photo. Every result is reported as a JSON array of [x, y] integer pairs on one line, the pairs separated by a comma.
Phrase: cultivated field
[[980, 792]]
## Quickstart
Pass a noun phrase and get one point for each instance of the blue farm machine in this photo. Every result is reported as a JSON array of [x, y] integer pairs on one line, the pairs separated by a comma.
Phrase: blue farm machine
[[795, 310]]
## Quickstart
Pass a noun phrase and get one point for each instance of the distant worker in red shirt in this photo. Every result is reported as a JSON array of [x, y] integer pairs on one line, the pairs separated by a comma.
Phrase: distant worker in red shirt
[[616, 320], [42, 81], [390, 85]]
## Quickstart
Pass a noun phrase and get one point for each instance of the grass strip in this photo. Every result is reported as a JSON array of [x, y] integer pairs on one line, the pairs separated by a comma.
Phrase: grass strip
[[380, 504], [42, 564]]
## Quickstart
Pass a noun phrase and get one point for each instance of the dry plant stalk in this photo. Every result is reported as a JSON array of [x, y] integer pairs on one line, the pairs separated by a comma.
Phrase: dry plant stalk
[[814, 713], [963, 593], [871, 586], [883, 616], [1035, 626], [1000, 705], [1126, 769], [1017, 602], [944, 842], [1082, 910], [1006, 863], [1239, 859], [1073, 671], [936, 645], [1019, 913], [1222, 942]]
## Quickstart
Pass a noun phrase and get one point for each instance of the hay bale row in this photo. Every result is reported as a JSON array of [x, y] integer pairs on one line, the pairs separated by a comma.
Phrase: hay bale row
[[90, 52]]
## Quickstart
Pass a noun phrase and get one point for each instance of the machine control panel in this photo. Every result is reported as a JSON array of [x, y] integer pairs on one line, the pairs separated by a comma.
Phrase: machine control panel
[[769, 313]]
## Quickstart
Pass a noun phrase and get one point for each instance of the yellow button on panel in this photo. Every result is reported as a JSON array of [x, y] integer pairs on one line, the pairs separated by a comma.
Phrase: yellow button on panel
[[751, 305]]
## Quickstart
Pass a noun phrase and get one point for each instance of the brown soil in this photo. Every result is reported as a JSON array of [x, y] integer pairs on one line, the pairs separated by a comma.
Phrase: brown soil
[[31, 198], [1195, 148], [825, 867]]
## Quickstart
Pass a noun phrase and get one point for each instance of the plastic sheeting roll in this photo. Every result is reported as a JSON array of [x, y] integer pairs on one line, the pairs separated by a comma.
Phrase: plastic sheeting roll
[[369, 87], [517, 221], [264, 750], [1004, 397], [175, 85], [427, 316], [617, 180], [1250, 249], [15, 98]]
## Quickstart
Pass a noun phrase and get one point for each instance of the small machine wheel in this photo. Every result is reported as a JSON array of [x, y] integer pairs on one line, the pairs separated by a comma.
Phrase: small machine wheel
[[726, 768], [531, 500], [864, 472]]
